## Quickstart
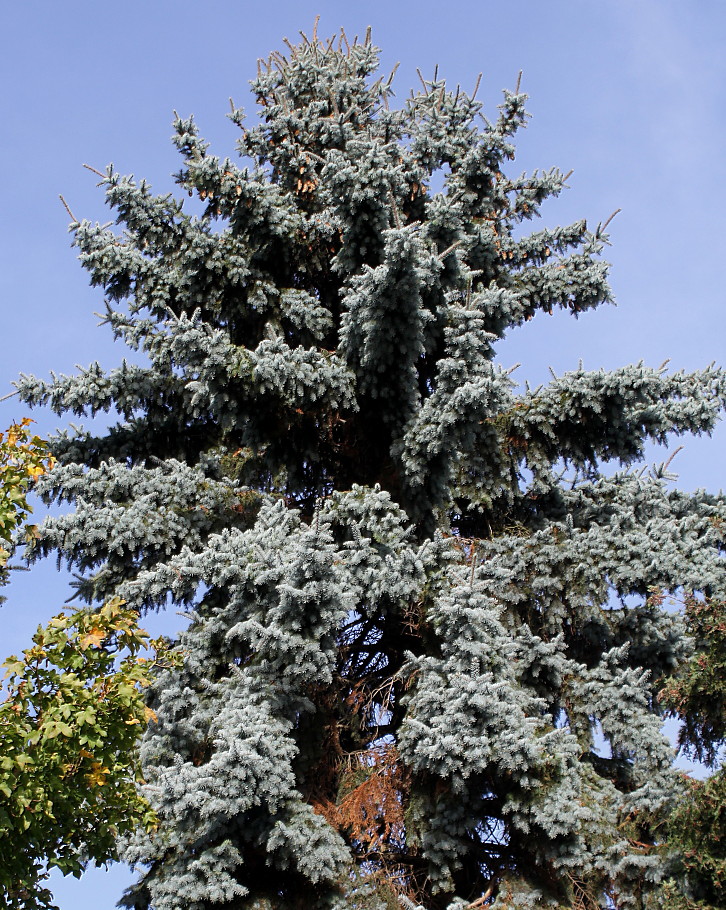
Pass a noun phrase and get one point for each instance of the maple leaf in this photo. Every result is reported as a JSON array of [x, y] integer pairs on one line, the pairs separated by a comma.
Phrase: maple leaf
[[97, 775], [94, 637]]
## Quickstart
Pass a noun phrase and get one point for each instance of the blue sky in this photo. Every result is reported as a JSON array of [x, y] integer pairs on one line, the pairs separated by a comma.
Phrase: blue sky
[[629, 93]]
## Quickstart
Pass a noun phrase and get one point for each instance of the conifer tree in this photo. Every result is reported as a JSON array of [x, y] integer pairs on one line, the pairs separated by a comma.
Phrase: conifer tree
[[422, 659]]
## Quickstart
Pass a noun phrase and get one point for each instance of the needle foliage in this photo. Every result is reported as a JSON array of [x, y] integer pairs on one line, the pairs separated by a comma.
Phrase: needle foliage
[[422, 659]]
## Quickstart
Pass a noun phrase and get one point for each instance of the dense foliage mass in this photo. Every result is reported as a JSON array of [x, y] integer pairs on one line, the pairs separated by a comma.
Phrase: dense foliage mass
[[422, 659], [69, 725], [23, 457], [697, 695]]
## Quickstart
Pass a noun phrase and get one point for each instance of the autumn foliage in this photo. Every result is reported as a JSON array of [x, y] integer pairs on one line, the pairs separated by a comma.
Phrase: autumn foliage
[[73, 711], [23, 457]]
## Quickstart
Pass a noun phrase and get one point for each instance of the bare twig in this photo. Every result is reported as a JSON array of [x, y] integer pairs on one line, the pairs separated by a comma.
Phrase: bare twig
[[448, 250], [482, 900], [94, 171], [672, 456], [476, 86], [5, 397], [66, 207], [608, 220]]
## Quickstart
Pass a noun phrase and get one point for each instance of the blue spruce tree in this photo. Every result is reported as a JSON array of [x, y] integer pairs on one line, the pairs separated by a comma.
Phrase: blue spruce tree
[[422, 662]]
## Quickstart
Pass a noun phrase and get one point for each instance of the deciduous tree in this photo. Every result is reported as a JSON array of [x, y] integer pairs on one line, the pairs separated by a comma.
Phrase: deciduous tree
[[69, 724]]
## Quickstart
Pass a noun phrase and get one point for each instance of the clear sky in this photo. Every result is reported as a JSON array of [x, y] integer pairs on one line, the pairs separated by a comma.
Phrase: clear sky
[[629, 93]]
